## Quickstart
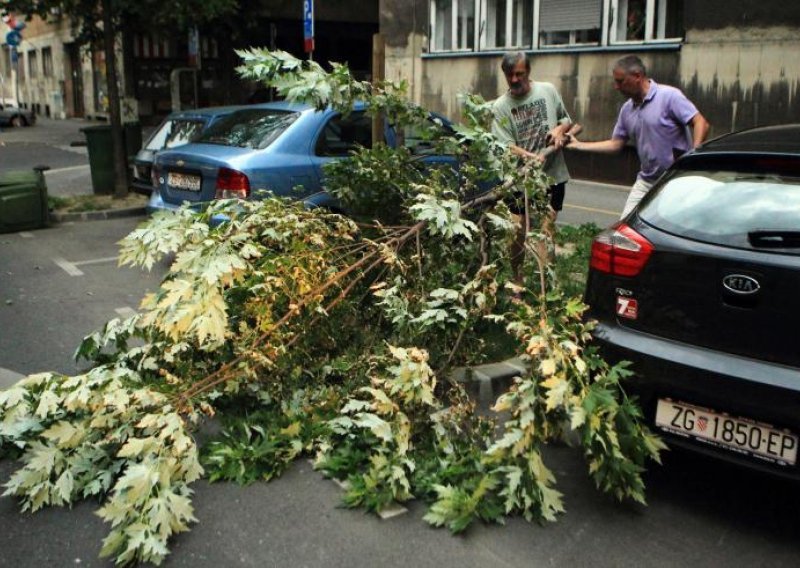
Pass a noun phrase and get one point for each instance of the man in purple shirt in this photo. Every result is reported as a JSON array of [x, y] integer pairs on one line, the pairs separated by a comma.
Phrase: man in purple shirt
[[656, 118]]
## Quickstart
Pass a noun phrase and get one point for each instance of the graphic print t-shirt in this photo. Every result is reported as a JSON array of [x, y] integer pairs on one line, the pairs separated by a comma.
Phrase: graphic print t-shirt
[[526, 121]]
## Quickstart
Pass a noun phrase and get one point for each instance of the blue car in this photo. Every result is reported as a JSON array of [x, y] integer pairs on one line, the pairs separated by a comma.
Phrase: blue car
[[179, 128], [276, 147]]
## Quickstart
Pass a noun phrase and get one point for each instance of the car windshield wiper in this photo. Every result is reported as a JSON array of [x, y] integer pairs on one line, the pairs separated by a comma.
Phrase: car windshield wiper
[[774, 238]]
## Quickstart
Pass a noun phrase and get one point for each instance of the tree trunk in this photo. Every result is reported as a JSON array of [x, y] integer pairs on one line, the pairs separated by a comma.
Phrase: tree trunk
[[120, 159]]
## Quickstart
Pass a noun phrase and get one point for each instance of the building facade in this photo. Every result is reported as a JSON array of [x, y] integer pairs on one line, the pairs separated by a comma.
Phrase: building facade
[[735, 59], [158, 73], [52, 74]]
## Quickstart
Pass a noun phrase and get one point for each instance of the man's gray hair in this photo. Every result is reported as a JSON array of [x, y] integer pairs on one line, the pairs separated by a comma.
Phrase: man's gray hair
[[631, 64], [511, 58]]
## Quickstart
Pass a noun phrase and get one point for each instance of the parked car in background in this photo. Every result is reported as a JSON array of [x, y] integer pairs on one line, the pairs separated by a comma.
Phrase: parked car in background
[[179, 128], [11, 115], [698, 287], [278, 147]]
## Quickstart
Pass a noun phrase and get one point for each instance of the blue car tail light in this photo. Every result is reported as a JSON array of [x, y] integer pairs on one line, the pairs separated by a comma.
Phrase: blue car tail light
[[232, 184]]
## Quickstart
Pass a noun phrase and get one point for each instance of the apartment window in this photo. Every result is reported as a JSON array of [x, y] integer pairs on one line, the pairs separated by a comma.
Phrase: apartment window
[[33, 64], [506, 23], [476, 25], [47, 61], [452, 25], [636, 21]]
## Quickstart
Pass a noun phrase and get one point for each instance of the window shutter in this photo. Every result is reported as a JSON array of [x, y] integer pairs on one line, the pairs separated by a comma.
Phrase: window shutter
[[567, 15]]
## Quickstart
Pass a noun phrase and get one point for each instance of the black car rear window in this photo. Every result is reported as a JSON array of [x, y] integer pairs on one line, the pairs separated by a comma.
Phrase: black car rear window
[[749, 203], [250, 128]]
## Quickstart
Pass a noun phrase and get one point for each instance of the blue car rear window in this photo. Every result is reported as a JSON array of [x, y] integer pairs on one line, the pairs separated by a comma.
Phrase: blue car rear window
[[175, 132], [250, 128]]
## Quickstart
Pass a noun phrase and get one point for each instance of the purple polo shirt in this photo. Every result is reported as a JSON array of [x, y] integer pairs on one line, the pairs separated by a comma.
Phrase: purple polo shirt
[[658, 128]]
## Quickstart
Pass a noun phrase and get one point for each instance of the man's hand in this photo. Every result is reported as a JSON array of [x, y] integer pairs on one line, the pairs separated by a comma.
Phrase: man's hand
[[555, 137], [570, 136], [572, 141]]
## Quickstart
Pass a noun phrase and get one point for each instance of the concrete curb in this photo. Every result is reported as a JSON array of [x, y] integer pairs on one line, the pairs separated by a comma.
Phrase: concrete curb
[[485, 383], [96, 215]]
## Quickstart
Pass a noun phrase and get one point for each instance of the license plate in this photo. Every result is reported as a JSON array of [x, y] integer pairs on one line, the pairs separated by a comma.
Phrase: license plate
[[737, 434], [183, 181]]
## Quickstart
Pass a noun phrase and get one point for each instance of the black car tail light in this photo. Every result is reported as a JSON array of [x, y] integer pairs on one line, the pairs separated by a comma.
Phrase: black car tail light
[[154, 178], [232, 184], [620, 250]]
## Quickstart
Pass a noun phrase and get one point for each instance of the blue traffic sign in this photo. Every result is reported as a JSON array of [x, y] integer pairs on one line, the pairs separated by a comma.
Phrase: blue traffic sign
[[308, 24], [13, 38]]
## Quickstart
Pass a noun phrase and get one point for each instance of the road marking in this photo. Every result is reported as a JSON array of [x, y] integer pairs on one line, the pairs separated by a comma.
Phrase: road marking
[[594, 210], [9, 377], [126, 312], [72, 269], [69, 169], [616, 186], [68, 267], [25, 235], [95, 261]]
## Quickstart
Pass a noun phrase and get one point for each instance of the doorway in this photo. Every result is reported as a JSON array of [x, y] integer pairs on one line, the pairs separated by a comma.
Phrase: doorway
[[74, 81]]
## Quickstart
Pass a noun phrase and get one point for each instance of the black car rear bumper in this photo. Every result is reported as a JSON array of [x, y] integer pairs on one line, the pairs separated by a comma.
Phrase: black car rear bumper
[[739, 386]]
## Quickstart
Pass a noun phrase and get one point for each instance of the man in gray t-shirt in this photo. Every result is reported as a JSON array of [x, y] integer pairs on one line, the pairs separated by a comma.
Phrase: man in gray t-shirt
[[529, 117]]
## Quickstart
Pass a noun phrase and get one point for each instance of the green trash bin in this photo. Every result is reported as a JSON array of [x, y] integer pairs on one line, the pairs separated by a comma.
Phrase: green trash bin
[[101, 157], [23, 200], [101, 153]]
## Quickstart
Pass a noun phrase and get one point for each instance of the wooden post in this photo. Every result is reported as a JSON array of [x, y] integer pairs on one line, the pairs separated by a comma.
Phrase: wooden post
[[378, 75]]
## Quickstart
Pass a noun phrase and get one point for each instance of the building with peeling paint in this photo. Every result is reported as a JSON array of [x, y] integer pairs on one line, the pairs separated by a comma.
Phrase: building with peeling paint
[[59, 79], [737, 60]]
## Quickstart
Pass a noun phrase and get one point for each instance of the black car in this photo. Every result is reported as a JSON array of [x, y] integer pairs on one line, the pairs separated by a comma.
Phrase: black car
[[700, 286]]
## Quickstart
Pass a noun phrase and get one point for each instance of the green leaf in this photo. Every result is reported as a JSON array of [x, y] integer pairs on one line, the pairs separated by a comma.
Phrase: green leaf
[[378, 426], [48, 404]]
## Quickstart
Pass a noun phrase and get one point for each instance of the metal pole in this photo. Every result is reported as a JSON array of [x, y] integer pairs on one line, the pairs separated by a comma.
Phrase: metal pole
[[16, 79], [378, 75]]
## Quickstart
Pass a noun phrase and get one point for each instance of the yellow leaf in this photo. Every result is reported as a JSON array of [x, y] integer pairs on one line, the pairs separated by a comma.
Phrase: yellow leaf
[[557, 391], [292, 430], [547, 367], [64, 434], [577, 417]]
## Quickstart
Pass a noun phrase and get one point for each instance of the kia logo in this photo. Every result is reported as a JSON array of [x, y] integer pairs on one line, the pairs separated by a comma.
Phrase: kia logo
[[741, 284]]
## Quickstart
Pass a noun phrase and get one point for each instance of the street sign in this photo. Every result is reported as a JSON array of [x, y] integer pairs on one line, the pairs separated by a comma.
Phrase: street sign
[[13, 38], [308, 25], [194, 47]]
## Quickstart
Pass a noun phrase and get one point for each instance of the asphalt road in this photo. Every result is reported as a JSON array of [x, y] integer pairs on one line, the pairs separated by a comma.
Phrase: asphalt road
[[58, 284]]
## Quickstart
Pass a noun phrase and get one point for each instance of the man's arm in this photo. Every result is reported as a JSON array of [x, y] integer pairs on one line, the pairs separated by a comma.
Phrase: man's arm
[[700, 127], [610, 146], [523, 153]]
